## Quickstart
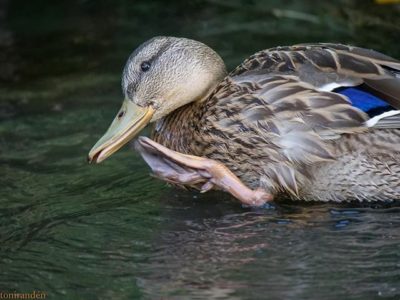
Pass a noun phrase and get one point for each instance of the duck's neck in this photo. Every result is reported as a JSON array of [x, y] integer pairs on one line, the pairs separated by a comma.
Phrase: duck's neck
[[179, 130]]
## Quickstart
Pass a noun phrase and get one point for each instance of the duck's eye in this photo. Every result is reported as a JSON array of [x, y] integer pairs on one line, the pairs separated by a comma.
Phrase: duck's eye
[[145, 66], [121, 114]]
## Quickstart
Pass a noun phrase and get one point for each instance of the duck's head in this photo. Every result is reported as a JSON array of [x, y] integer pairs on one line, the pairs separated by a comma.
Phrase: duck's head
[[160, 76]]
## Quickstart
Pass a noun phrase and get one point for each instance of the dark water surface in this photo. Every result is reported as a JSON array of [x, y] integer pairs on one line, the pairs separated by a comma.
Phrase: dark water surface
[[110, 231]]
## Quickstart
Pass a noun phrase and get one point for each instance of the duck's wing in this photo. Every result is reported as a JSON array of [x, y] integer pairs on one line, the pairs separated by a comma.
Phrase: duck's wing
[[284, 106], [291, 117]]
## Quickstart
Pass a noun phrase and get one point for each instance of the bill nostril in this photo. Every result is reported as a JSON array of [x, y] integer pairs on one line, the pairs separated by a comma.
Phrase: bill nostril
[[121, 114]]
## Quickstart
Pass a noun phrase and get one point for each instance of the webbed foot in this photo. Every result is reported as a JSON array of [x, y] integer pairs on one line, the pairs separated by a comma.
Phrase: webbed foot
[[201, 173]]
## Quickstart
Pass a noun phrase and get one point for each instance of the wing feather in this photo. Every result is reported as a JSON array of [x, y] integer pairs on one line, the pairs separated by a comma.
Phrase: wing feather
[[283, 114], [281, 96]]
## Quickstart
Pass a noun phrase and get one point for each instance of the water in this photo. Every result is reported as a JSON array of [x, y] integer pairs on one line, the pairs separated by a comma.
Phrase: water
[[111, 231]]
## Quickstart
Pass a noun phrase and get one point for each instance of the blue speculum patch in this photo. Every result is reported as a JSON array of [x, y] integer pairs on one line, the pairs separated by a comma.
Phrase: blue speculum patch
[[365, 101]]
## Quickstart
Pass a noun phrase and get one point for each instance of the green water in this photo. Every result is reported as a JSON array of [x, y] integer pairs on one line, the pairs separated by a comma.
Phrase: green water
[[111, 231]]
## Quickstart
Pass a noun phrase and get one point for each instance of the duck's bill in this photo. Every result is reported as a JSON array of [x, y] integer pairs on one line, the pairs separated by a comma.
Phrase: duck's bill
[[129, 121]]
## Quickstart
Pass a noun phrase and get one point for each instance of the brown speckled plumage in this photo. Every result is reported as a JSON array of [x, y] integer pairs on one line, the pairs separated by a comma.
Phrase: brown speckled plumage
[[272, 124]]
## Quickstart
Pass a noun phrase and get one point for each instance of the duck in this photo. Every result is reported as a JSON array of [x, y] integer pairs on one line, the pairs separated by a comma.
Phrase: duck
[[317, 121]]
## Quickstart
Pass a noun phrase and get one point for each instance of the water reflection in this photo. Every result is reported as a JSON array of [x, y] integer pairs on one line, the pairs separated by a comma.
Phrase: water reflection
[[272, 254]]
